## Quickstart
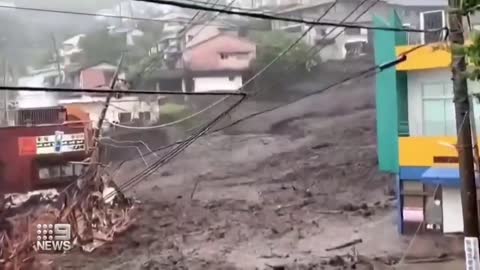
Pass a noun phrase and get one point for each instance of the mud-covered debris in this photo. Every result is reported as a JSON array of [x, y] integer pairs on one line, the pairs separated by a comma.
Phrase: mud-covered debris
[[151, 265], [97, 214]]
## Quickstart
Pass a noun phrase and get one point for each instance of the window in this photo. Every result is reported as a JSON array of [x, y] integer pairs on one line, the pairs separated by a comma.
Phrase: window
[[223, 56], [144, 116], [432, 20], [353, 31], [438, 109], [53, 172], [124, 117]]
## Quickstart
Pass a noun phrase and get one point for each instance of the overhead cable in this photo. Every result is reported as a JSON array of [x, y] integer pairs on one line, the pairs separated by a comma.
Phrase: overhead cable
[[101, 15], [175, 152], [264, 16], [149, 69], [316, 51], [115, 91], [170, 123], [260, 72], [172, 153], [364, 73]]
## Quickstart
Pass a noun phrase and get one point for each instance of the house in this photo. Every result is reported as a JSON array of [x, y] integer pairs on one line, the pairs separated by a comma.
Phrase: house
[[93, 76], [174, 21], [218, 63], [37, 154], [414, 14], [47, 76], [71, 50], [417, 131], [127, 110], [170, 73]]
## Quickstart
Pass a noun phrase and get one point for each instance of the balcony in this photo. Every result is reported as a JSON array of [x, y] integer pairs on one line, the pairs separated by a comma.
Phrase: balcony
[[428, 152], [428, 57]]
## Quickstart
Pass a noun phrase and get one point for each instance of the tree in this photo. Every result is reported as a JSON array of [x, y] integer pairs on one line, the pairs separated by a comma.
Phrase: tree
[[291, 66], [102, 46]]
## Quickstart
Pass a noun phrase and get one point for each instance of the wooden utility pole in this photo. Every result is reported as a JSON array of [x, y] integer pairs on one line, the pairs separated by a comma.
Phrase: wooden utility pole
[[57, 58], [5, 93], [462, 116]]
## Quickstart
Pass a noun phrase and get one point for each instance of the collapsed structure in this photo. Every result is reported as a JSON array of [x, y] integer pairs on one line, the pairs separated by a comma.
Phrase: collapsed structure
[[51, 148]]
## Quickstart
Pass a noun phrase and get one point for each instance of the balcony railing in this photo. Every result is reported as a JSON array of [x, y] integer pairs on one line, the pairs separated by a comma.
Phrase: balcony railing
[[403, 130]]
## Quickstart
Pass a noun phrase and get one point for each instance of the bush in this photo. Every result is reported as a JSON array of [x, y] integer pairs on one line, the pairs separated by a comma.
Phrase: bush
[[171, 112]]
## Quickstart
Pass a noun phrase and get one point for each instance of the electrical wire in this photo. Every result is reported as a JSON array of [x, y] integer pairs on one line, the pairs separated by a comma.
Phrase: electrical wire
[[213, 18], [260, 72], [115, 91], [375, 69], [170, 123], [366, 73], [149, 69], [69, 12], [181, 145], [264, 16], [289, 48], [314, 50], [174, 152]]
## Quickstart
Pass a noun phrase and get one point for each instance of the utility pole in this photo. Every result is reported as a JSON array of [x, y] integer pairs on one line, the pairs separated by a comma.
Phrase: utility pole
[[5, 93], [462, 116], [57, 58]]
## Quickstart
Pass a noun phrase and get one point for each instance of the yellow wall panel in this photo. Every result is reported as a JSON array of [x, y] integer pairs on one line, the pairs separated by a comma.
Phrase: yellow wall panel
[[420, 151], [426, 57]]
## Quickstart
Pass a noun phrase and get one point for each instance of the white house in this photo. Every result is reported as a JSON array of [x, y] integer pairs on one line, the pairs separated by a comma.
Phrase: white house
[[70, 48], [124, 110]]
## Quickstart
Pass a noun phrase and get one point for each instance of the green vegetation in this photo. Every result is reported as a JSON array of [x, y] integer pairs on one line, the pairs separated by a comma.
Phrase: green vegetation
[[171, 112], [291, 66]]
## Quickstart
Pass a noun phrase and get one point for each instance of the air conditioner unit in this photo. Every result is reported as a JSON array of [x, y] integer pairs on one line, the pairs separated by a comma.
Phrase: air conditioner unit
[[430, 20]]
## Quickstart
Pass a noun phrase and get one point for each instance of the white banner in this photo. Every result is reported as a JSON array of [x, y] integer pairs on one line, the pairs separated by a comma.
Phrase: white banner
[[60, 143]]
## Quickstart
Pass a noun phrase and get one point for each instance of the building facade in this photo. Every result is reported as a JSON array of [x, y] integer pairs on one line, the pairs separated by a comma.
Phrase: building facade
[[218, 63], [416, 131], [336, 43], [43, 150]]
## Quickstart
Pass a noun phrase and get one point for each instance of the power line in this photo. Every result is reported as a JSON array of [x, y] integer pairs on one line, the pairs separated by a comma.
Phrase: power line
[[69, 12], [174, 152], [314, 50], [149, 69], [170, 123], [372, 70], [280, 55], [375, 69], [171, 154], [204, 131], [289, 48], [127, 92], [264, 16]]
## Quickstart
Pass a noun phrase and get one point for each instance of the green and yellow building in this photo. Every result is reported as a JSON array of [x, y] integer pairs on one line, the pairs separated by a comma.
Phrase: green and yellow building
[[417, 132]]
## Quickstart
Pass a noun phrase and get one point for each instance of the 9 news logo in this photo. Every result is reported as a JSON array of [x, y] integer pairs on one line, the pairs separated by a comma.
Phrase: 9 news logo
[[53, 237]]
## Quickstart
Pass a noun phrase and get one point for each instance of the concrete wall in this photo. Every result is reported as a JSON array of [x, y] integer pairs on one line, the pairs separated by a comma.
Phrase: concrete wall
[[390, 89], [205, 84]]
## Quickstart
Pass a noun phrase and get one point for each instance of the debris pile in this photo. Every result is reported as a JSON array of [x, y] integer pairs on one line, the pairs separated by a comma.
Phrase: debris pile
[[92, 206]]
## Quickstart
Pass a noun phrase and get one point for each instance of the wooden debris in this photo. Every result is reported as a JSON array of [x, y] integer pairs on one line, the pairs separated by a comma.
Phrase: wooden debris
[[345, 245]]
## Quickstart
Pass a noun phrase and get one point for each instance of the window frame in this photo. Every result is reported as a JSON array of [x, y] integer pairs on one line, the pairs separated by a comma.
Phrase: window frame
[[124, 113], [422, 21], [444, 98]]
